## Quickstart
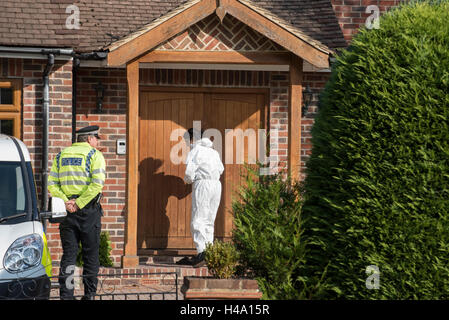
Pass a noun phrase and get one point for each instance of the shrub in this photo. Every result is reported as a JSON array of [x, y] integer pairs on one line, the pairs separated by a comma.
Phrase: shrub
[[222, 259], [377, 186], [267, 234], [105, 251]]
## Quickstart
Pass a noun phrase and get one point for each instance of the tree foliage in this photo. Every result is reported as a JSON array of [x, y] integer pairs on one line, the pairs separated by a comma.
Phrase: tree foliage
[[267, 234], [377, 186]]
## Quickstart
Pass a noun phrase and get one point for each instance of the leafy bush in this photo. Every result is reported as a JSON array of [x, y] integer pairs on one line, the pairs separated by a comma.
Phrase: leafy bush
[[267, 234], [377, 186], [105, 251], [222, 259]]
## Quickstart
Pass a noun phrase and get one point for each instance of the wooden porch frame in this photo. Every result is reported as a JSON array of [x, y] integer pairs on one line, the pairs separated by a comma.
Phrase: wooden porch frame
[[137, 44], [275, 33], [148, 40], [294, 117], [217, 57], [130, 257], [132, 53]]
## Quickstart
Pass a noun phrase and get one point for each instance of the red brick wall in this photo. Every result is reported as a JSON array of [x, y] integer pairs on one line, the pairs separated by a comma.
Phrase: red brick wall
[[60, 121], [210, 34], [112, 124], [351, 13], [315, 81]]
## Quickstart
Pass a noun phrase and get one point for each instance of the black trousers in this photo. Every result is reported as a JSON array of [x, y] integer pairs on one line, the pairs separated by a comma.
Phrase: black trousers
[[85, 226]]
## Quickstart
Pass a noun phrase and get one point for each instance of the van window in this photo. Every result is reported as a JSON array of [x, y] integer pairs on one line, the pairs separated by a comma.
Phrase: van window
[[12, 189], [20, 204]]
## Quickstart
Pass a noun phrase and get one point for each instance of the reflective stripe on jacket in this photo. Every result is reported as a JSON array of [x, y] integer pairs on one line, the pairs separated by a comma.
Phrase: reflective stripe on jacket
[[46, 257], [77, 170]]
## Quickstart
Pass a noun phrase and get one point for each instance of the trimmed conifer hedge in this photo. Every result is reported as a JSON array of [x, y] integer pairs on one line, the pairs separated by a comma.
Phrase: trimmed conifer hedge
[[377, 186]]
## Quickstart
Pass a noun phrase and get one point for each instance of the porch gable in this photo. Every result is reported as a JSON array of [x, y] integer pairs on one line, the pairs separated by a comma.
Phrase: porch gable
[[161, 31]]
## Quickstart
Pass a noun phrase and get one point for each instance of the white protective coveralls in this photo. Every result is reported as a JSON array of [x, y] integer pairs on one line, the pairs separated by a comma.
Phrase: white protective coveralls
[[203, 169]]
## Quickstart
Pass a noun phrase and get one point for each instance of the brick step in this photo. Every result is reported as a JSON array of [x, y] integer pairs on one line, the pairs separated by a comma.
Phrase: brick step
[[166, 253], [151, 271], [161, 259], [143, 278]]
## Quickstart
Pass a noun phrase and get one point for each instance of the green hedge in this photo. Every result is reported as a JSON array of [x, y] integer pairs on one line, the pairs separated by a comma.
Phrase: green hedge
[[377, 186], [222, 259], [267, 234]]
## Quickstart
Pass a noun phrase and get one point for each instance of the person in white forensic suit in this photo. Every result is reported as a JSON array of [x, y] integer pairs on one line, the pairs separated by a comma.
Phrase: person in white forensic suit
[[203, 170]]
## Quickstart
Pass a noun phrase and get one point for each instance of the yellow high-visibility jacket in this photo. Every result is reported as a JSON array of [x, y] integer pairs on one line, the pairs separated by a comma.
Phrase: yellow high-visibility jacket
[[77, 170]]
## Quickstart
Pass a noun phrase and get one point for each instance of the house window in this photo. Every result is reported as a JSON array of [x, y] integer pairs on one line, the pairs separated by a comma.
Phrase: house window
[[7, 126], [10, 106], [6, 95]]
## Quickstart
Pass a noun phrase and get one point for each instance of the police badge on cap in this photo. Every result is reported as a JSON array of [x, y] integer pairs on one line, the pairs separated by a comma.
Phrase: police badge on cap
[[90, 130]]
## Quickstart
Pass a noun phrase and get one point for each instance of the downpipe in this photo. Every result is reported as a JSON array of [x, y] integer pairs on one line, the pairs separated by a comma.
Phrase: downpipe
[[45, 125], [75, 66]]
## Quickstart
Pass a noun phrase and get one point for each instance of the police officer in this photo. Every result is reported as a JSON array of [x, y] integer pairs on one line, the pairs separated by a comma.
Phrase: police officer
[[77, 176]]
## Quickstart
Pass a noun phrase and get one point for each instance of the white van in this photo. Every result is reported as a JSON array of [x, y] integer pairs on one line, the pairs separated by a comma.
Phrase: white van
[[25, 262]]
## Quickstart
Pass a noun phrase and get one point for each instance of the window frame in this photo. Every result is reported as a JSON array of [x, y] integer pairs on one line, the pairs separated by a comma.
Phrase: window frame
[[15, 117], [13, 111]]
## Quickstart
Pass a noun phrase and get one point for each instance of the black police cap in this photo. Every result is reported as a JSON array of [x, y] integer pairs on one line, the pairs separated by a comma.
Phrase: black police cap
[[90, 130]]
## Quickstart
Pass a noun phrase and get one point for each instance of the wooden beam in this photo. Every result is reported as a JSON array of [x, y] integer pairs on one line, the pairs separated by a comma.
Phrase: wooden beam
[[218, 57], [132, 164], [294, 117], [162, 32], [276, 33]]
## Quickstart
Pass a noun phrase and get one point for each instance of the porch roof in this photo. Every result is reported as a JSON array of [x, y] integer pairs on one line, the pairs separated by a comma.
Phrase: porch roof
[[41, 23], [262, 20]]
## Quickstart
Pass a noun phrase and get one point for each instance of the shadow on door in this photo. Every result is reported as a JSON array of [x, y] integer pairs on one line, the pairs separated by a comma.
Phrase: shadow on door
[[155, 189]]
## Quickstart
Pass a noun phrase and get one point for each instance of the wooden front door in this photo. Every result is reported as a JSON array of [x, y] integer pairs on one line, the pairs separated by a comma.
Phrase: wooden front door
[[164, 203]]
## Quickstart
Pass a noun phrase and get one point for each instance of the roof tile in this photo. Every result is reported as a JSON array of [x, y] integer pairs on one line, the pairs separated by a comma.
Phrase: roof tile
[[104, 21]]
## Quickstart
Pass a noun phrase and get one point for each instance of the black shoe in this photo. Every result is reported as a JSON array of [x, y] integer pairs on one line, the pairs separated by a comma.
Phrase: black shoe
[[88, 297], [185, 261], [199, 260]]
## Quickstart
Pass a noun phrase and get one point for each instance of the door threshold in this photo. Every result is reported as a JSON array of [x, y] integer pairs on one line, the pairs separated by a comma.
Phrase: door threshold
[[166, 252]]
